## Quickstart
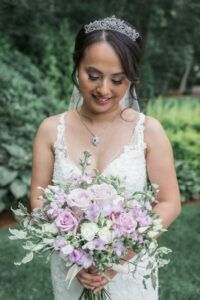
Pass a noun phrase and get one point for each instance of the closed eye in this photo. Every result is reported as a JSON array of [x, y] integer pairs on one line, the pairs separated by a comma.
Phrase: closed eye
[[90, 77], [117, 82], [93, 78]]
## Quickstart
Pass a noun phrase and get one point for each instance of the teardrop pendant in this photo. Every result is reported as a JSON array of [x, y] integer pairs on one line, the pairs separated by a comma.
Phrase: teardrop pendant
[[95, 140]]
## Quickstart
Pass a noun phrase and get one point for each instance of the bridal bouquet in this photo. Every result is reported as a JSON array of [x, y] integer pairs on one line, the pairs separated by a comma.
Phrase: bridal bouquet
[[92, 221]]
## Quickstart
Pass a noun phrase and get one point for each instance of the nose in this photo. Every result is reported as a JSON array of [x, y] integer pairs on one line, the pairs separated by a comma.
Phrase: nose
[[103, 88]]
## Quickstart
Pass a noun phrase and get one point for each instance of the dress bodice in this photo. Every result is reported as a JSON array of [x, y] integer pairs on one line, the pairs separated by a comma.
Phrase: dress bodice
[[129, 165]]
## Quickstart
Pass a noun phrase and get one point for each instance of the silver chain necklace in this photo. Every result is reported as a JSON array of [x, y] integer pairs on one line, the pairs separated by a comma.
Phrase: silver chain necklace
[[96, 136]]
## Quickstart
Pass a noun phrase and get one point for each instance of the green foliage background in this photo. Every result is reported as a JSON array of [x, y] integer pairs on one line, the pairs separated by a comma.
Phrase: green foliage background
[[36, 44], [180, 119]]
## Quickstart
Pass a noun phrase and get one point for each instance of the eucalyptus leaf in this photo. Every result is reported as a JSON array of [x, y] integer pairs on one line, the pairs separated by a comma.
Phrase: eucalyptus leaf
[[27, 258], [17, 234], [18, 189], [6, 176]]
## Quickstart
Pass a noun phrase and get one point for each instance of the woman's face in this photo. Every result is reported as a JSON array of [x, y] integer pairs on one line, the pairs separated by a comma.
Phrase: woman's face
[[102, 80]]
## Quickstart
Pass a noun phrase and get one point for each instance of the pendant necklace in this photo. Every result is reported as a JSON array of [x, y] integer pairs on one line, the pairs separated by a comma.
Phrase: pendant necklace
[[95, 136]]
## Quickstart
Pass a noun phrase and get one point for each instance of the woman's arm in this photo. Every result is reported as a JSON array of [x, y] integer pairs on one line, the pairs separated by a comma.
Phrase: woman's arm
[[42, 159], [161, 171]]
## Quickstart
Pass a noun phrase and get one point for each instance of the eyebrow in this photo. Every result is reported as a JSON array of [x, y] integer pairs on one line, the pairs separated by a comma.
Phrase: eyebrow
[[96, 70]]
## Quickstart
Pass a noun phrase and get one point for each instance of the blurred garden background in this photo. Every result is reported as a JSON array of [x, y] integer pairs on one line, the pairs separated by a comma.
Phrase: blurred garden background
[[36, 44]]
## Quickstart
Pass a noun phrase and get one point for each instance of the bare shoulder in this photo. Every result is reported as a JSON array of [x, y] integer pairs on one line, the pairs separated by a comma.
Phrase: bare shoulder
[[154, 132], [47, 130], [152, 125]]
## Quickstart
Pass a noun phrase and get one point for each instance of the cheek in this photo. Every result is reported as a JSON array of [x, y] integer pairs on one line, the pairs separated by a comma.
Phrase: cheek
[[84, 83], [122, 89]]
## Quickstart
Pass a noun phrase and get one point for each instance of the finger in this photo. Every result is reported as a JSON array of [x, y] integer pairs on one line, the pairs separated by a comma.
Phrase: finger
[[83, 280], [95, 291], [89, 277], [90, 283], [103, 283]]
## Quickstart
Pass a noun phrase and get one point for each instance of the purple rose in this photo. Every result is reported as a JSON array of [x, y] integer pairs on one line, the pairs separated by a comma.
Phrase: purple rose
[[125, 223], [65, 221]]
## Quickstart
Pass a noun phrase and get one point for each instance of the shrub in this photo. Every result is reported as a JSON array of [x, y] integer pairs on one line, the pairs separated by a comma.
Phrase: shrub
[[187, 180], [25, 100], [56, 62], [180, 119]]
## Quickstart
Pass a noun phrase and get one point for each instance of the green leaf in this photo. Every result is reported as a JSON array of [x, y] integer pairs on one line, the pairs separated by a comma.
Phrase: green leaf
[[6, 176], [14, 150], [18, 189]]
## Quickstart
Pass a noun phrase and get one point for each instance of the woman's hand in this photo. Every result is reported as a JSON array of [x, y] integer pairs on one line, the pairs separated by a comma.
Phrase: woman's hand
[[106, 277], [88, 279]]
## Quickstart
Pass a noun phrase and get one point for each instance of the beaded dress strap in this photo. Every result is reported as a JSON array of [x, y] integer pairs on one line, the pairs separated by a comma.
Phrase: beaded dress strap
[[59, 143], [138, 136]]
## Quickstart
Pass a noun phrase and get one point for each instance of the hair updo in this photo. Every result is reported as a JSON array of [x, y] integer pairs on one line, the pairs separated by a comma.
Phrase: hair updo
[[128, 50]]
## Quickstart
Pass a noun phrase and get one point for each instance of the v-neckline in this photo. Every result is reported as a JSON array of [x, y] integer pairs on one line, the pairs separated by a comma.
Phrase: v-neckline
[[74, 165], [118, 156]]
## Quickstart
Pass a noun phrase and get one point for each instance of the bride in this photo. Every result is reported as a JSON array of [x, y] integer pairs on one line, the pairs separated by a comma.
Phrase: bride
[[104, 119]]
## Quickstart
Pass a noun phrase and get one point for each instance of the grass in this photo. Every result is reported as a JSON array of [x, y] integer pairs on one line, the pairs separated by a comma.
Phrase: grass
[[179, 280]]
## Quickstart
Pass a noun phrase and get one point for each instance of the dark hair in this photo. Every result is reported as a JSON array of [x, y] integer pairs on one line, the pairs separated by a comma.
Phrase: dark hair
[[129, 51]]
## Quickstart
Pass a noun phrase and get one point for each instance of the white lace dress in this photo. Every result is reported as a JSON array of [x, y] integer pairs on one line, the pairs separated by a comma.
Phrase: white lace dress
[[130, 163]]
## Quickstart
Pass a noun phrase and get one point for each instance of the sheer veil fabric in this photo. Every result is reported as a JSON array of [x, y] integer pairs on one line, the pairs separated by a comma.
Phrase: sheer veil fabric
[[127, 101]]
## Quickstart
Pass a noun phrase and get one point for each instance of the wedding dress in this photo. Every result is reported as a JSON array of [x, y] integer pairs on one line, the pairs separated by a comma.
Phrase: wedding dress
[[130, 163]]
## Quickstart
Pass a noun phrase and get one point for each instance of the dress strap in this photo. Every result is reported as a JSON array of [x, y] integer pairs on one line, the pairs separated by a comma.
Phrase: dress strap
[[138, 135], [59, 143]]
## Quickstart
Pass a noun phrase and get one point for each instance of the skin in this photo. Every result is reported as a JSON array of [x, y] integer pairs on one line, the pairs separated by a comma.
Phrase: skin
[[98, 80]]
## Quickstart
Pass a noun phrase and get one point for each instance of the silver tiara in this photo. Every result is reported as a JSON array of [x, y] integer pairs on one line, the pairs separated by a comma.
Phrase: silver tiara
[[112, 23]]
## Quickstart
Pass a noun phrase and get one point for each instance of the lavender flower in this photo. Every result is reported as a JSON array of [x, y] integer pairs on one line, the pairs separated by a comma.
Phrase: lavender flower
[[76, 257]]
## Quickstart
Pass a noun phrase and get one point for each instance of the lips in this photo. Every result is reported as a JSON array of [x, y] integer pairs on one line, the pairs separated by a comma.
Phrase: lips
[[101, 101]]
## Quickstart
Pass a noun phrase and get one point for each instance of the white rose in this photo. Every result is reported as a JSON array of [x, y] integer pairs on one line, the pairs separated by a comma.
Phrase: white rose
[[88, 231], [49, 228], [105, 235]]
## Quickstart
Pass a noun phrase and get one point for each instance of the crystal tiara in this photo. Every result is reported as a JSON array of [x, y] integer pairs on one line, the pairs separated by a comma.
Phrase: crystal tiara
[[112, 23]]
